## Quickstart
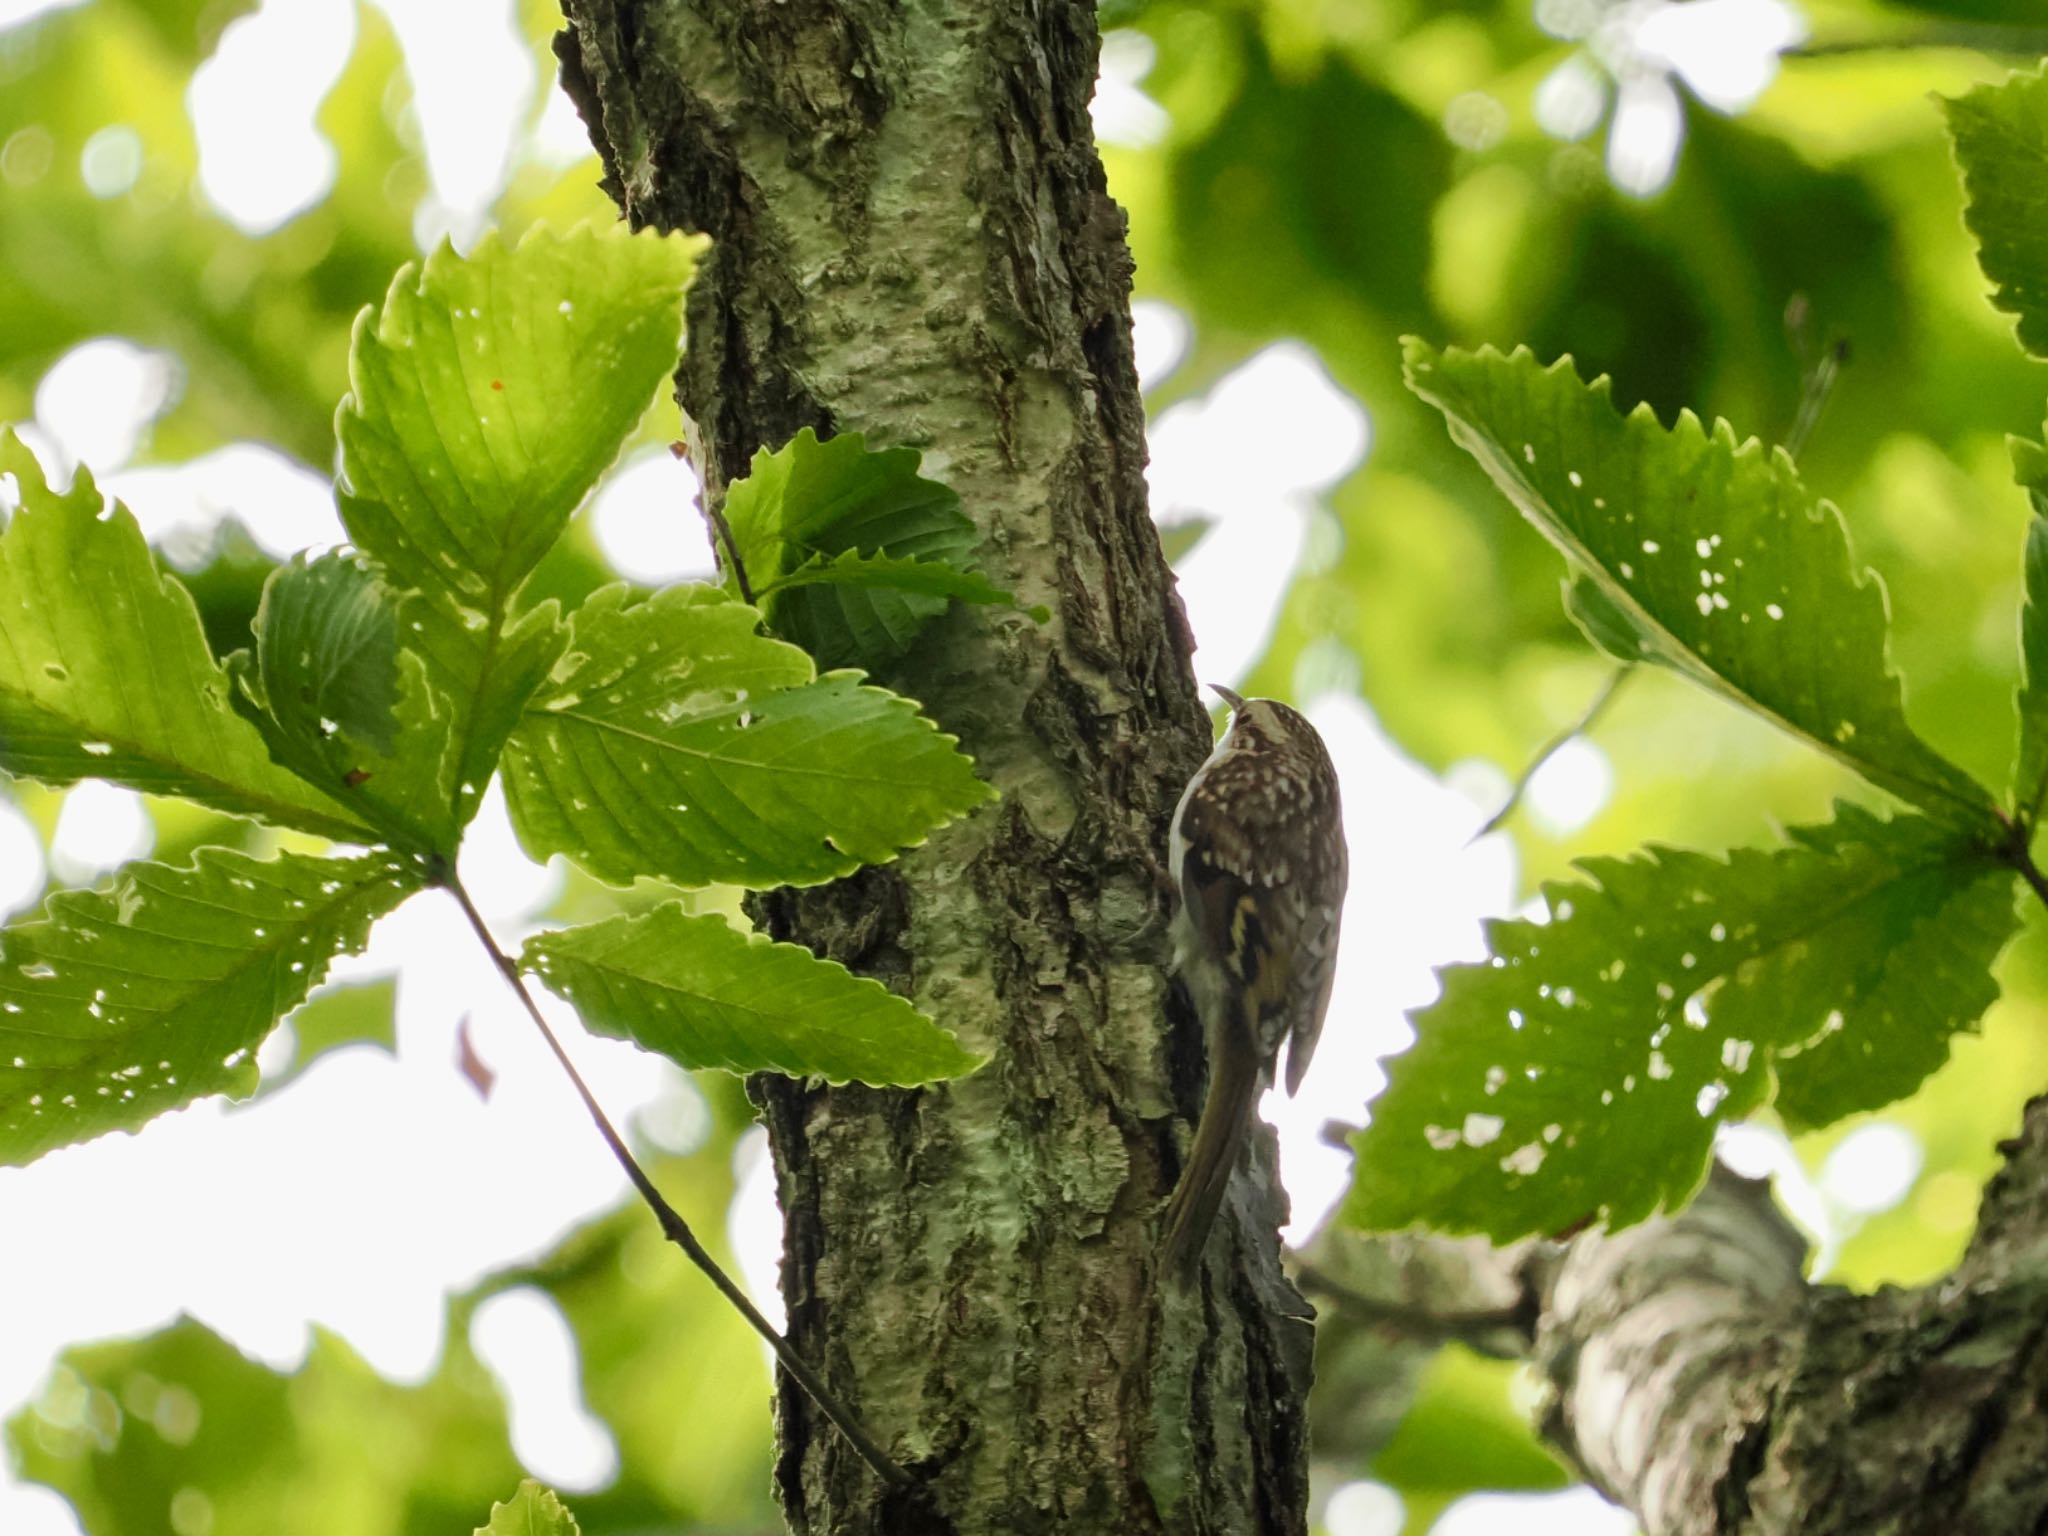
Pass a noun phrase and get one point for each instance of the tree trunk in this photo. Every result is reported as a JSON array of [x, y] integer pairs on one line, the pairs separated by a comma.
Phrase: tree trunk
[[912, 240]]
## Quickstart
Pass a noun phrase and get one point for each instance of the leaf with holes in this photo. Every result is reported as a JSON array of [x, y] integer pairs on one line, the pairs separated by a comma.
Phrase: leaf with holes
[[105, 671], [703, 994], [2001, 137], [1580, 1072], [340, 703], [2030, 775], [673, 740], [850, 553], [1711, 552], [359, 1013], [119, 1004], [487, 394]]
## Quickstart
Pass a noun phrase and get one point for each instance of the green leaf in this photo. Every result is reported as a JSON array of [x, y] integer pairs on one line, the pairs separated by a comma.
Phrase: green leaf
[[809, 506], [1601, 622], [703, 994], [365, 1013], [121, 1003], [888, 615], [2001, 134], [104, 669], [930, 578], [532, 1511], [1581, 1071], [673, 740], [2030, 777], [1177, 539], [342, 705], [489, 392], [327, 650], [1712, 550]]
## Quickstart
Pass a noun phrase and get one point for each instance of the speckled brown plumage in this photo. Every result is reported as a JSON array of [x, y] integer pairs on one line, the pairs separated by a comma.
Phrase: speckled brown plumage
[[1259, 858]]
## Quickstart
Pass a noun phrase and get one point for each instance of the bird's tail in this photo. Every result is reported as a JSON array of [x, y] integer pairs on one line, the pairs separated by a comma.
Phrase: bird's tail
[[1234, 1082]]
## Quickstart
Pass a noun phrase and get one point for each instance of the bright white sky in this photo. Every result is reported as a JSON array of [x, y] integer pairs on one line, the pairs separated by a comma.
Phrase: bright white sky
[[383, 1185]]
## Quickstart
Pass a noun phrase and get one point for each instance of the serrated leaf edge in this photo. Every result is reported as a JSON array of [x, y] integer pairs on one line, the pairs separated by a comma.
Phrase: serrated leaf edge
[[1694, 666], [535, 951]]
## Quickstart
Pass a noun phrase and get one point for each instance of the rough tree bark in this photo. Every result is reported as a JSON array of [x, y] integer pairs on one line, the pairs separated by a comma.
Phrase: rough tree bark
[[912, 240], [1696, 1377]]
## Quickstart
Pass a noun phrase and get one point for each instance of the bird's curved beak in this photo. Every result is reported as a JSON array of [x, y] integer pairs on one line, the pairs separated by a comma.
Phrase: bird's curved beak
[[1232, 699]]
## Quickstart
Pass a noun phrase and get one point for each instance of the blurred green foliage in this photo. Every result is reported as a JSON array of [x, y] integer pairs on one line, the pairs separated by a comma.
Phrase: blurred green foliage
[[178, 1431], [1335, 171], [1468, 1417]]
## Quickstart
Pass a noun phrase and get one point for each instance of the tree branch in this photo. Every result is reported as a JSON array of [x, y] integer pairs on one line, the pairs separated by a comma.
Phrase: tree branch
[[1696, 1377], [1664, 1347]]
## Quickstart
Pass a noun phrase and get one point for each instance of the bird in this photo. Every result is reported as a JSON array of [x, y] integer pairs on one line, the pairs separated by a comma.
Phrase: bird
[[1256, 855]]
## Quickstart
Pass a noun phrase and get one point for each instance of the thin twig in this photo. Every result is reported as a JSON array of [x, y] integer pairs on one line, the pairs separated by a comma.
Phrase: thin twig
[[1550, 749], [732, 551], [715, 516], [1476, 1330], [1980, 37], [1813, 399], [2030, 872], [677, 1230]]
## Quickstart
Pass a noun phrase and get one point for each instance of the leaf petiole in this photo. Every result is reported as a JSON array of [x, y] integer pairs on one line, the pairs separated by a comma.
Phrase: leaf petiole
[[673, 1226]]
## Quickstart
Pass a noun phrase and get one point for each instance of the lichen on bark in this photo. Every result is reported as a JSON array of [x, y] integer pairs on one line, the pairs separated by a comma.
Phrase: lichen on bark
[[912, 239]]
